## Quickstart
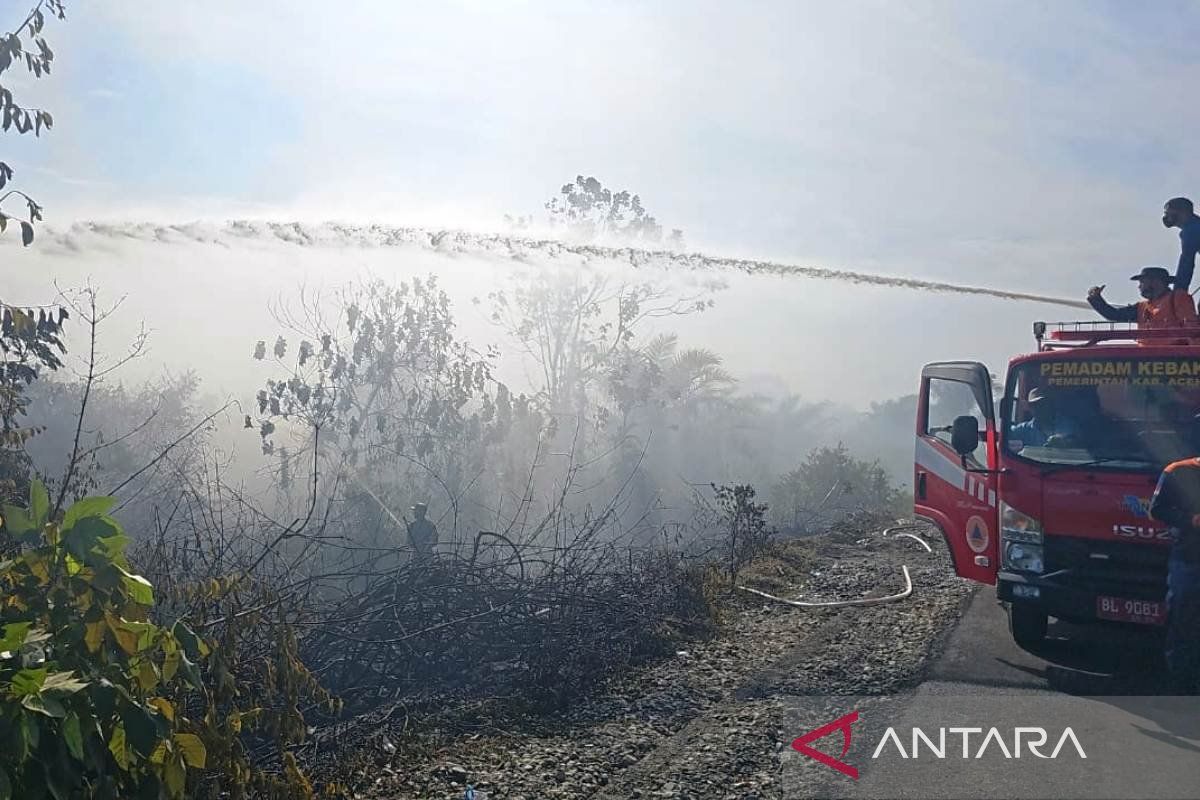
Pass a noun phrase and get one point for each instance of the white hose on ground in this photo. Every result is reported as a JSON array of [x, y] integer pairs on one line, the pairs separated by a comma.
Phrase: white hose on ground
[[910, 526], [865, 601], [916, 539], [906, 526]]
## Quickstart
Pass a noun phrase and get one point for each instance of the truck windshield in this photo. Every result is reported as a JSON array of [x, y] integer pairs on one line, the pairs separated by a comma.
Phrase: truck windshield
[[1124, 413]]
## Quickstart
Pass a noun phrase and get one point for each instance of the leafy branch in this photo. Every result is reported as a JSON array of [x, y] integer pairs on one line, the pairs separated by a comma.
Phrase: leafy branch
[[38, 57], [35, 210]]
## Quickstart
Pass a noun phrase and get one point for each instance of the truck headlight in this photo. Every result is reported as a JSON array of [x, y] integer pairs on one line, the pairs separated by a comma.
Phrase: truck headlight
[[1023, 557], [1018, 527]]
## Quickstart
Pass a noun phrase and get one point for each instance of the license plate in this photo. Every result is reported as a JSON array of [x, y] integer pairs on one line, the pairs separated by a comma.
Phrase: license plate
[[1143, 612]]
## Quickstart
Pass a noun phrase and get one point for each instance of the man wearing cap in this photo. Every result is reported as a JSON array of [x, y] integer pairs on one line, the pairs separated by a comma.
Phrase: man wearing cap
[[1179, 213], [1047, 427], [422, 533], [1161, 307]]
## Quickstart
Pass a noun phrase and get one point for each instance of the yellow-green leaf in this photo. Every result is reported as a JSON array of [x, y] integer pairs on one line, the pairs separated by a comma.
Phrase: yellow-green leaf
[[146, 676], [14, 635], [38, 566], [39, 503], [27, 682], [94, 635], [133, 637], [138, 588], [164, 707], [171, 665], [17, 521], [87, 507], [175, 777], [127, 639], [192, 748], [116, 746]]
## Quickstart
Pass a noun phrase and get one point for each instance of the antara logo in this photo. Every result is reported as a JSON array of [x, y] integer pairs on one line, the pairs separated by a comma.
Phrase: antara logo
[[800, 744], [1031, 739]]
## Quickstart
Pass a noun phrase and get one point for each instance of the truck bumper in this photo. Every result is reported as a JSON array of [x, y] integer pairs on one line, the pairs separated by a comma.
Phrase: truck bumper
[[1070, 602]]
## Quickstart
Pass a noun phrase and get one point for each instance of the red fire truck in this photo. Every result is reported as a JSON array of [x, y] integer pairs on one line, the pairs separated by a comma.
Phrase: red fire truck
[[1041, 485]]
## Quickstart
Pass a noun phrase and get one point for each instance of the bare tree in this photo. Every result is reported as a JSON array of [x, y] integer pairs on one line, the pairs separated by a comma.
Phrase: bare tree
[[574, 324]]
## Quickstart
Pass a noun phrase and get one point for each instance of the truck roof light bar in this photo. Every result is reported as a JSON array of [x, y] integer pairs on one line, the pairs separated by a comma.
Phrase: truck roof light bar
[[1064, 335]]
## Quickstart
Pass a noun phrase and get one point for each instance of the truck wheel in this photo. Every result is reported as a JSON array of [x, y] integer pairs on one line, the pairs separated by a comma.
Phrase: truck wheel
[[1027, 624]]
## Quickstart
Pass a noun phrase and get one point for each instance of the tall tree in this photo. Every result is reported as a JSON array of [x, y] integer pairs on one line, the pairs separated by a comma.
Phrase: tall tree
[[383, 392], [588, 210], [578, 326]]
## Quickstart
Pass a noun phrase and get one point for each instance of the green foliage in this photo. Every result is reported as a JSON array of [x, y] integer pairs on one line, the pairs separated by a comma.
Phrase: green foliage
[[260, 690], [830, 485], [745, 523], [25, 45], [30, 343], [86, 679]]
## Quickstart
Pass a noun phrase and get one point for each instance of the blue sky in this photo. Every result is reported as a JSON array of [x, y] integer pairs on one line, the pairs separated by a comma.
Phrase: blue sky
[[995, 143]]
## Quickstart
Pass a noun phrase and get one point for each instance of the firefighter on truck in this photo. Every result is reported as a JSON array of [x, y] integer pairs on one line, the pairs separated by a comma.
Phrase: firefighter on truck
[[1161, 306]]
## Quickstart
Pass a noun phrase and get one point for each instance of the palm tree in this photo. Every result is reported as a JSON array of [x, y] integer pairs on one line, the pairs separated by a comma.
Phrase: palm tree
[[687, 378]]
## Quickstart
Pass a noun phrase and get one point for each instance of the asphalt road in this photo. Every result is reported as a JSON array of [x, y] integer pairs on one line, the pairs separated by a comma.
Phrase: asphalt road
[[981, 656], [1106, 685]]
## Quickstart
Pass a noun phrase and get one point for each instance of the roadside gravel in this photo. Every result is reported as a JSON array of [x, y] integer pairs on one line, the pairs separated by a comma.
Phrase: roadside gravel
[[709, 721]]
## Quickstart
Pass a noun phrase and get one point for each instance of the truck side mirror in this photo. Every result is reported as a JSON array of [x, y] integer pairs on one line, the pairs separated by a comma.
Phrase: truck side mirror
[[1006, 405], [964, 435]]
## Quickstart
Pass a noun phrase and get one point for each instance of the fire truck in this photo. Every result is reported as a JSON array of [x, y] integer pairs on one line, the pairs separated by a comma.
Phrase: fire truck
[[1041, 483]]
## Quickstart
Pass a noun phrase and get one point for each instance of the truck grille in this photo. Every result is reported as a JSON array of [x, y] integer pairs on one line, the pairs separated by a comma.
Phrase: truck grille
[[1100, 564]]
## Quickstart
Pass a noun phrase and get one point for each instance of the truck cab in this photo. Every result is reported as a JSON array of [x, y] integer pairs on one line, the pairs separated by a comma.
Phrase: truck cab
[[1041, 483]]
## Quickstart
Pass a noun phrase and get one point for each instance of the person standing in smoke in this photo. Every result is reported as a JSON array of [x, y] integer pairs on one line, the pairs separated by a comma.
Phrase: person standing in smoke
[[422, 533]]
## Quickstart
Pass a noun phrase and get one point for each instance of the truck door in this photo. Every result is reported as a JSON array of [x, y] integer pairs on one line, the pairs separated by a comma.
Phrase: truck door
[[960, 502]]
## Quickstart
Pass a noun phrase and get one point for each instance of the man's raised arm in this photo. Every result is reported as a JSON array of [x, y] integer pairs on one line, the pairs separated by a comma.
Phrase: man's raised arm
[[1111, 313]]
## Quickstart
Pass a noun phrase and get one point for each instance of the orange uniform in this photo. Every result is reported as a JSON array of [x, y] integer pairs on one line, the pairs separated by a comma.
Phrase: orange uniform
[[1174, 309]]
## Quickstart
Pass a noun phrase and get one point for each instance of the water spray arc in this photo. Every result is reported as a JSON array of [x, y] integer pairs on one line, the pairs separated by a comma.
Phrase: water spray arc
[[507, 247]]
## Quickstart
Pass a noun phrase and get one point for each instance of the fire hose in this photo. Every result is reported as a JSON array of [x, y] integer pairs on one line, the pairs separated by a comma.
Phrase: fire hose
[[892, 531], [862, 601], [865, 601]]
